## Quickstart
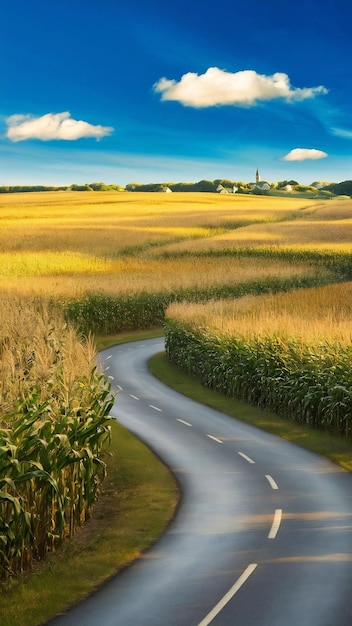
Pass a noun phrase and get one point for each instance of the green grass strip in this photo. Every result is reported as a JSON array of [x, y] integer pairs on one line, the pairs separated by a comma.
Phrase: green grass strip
[[106, 341]]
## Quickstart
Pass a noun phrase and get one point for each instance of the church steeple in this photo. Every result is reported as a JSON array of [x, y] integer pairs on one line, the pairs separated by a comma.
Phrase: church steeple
[[257, 176]]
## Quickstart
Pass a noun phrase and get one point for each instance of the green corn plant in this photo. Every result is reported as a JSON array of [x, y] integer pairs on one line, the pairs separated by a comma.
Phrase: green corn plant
[[310, 384], [54, 419]]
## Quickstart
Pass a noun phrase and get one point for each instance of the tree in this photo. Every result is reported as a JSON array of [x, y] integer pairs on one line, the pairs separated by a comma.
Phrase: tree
[[341, 189]]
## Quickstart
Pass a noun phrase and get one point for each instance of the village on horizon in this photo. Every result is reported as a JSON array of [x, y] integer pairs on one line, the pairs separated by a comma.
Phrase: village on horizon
[[317, 189]]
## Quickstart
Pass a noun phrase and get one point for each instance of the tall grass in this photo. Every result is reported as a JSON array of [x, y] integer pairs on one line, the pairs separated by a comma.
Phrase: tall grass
[[54, 408]]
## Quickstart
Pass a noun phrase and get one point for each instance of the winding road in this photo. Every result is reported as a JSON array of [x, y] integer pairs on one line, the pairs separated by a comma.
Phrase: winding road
[[263, 531]]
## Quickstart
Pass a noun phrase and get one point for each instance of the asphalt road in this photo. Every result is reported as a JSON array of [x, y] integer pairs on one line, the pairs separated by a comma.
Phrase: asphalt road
[[263, 532]]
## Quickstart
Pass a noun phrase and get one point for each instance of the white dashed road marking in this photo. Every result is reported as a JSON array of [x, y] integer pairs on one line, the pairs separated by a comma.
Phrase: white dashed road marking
[[229, 595], [247, 458], [276, 524], [271, 481], [183, 422], [215, 439]]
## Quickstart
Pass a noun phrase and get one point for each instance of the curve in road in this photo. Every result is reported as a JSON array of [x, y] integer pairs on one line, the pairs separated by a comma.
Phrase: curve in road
[[263, 532]]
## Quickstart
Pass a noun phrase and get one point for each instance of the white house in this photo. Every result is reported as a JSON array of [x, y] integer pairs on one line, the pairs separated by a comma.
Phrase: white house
[[221, 189]]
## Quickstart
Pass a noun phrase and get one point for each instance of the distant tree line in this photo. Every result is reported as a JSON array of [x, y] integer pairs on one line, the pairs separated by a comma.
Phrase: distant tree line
[[201, 185], [95, 187], [340, 189], [209, 186], [281, 187], [85, 187], [21, 188]]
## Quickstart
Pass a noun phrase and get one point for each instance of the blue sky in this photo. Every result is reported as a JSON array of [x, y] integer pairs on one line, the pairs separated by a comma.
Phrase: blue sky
[[148, 91]]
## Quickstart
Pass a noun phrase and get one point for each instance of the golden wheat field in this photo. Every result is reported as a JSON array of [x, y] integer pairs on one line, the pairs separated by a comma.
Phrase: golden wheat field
[[106, 223], [321, 226], [71, 243]]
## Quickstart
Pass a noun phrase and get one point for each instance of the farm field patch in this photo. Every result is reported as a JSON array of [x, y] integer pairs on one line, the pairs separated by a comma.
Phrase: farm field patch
[[73, 243], [316, 316]]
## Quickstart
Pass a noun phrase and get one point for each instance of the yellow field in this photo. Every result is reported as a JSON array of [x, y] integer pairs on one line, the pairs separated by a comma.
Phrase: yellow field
[[322, 314], [57, 275], [104, 223], [318, 226], [68, 243]]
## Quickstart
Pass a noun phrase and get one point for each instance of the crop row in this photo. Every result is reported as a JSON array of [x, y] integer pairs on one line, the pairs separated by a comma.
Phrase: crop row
[[54, 418], [105, 314], [311, 385], [338, 263]]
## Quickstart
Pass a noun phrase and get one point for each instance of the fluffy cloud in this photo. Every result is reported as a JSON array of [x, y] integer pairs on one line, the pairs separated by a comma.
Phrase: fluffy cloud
[[52, 126], [303, 154], [244, 88]]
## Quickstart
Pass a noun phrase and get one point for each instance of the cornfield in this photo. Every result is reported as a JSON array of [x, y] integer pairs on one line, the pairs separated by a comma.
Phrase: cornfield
[[104, 314], [305, 376], [111, 262], [54, 418]]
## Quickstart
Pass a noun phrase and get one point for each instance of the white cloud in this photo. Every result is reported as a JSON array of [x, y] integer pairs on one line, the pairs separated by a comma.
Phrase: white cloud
[[52, 126], [244, 88], [303, 154]]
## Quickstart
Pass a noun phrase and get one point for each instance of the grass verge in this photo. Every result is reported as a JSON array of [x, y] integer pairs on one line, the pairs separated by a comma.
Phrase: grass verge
[[332, 447], [106, 341], [137, 501]]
